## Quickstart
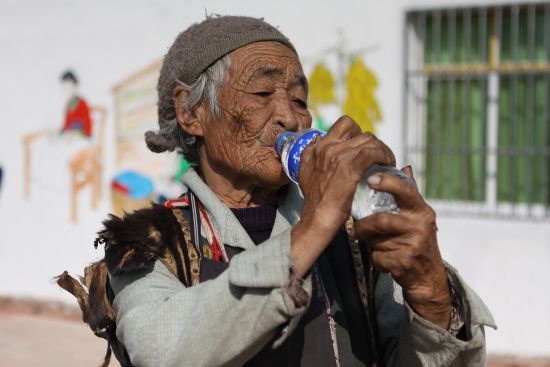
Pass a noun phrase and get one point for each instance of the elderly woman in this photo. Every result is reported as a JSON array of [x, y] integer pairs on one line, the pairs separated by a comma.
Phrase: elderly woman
[[277, 281]]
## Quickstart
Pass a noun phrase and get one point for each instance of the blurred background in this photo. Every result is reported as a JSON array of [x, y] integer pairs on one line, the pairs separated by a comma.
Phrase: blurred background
[[459, 90]]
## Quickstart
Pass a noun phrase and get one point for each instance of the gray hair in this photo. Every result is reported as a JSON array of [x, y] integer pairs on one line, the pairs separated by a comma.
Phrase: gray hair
[[171, 136]]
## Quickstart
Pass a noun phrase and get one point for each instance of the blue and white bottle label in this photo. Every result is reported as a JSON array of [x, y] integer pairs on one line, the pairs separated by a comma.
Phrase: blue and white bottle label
[[296, 150]]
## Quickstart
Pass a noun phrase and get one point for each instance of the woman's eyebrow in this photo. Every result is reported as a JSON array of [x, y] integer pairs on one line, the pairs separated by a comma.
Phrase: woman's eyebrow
[[266, 71], [301, 80]]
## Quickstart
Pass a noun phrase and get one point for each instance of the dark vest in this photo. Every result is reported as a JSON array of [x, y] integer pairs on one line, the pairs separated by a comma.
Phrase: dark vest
[[310, 344]]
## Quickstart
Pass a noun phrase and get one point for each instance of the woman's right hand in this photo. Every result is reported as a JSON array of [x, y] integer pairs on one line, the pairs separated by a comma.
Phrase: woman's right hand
[[330, 169]]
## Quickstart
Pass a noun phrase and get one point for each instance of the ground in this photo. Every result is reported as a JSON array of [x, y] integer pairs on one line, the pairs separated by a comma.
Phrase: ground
[[49, 334]]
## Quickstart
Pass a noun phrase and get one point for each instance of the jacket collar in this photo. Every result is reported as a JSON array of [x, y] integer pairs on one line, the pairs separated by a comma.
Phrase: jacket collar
[[229, 229]]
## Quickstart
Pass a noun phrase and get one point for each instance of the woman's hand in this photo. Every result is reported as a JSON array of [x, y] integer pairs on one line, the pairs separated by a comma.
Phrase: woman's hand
[[330, 169], [406, 246]]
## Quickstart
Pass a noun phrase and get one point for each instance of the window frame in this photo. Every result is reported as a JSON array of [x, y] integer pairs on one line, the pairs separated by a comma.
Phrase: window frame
[[416, 78]]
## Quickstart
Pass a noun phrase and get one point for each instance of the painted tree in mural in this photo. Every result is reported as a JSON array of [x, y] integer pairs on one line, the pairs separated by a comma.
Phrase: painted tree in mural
[[321, 92], [359, 103]]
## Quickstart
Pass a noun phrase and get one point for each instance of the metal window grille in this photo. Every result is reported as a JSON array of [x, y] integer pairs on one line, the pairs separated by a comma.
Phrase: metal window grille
[[477, 108]]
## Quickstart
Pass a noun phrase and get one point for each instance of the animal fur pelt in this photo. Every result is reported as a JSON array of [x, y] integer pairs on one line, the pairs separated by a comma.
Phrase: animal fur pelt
[[130, 243], [139, 238]]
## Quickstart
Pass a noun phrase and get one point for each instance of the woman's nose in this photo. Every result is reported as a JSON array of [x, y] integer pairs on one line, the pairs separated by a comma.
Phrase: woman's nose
[[285, 116]]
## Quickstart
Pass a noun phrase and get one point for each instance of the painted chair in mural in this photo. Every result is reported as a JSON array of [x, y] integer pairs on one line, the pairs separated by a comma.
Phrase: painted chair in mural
[[79, 158]]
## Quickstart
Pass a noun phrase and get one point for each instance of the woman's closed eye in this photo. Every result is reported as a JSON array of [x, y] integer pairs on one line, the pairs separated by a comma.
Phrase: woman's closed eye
[[300, 102], [263, 93]]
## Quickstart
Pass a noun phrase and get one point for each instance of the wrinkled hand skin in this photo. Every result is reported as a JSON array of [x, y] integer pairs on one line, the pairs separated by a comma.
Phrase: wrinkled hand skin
[[332, 167], [406, 246], [330, 170]]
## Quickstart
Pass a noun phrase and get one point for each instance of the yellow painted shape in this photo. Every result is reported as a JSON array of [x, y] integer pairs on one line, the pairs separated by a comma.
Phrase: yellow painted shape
[[321, 87], [360, 103]]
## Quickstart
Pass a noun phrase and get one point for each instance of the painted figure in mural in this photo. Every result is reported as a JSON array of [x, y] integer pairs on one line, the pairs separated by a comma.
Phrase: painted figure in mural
[[77, 113], [67, 159], [49, 152], [245, 270]]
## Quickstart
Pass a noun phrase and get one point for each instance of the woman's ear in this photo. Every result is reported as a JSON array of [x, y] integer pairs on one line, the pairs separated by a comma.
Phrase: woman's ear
[[190, 121]]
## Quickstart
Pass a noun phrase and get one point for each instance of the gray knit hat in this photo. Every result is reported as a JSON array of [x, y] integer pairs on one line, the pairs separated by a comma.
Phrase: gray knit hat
[[202, 44]]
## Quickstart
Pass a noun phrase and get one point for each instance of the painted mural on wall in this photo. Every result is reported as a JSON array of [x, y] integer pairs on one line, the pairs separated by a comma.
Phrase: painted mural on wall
[[141, 176], [329, 97], [67, 159]]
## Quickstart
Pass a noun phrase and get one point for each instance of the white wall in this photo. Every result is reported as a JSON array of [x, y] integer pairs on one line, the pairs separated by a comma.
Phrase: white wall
[[506, 262]]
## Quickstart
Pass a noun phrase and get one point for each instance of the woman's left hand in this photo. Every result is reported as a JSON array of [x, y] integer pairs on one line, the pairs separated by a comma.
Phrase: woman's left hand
[[406, 246]]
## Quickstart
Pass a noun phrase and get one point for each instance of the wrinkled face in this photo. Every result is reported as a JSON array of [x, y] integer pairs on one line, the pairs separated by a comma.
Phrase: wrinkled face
[[264, 93]]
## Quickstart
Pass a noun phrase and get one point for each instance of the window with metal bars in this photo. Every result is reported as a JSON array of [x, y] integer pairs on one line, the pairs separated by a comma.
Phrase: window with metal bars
[[477, 108]]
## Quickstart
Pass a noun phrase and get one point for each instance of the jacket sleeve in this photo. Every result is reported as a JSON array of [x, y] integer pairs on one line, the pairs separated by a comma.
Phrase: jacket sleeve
[[224, 321], [409, 340]]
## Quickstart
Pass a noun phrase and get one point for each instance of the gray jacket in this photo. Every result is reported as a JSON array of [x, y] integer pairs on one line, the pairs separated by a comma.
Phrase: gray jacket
[[226, 321]]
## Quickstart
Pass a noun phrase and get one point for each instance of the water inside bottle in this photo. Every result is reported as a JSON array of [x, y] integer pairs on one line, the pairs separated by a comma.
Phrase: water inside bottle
[[367, 201]]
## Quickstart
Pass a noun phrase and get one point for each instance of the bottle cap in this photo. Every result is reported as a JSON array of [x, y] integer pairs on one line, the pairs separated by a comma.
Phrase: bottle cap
[[280, 141]]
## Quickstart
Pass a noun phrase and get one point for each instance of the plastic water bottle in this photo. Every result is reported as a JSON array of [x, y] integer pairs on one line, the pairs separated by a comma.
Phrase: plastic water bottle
[[366, 201]]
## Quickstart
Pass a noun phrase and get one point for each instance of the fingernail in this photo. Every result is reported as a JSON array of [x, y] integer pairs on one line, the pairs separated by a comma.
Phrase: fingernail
[[374, 179]]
